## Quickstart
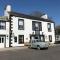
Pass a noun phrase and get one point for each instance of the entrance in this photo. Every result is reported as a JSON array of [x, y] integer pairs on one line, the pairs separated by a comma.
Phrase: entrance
[[2, 41], [21, 39]]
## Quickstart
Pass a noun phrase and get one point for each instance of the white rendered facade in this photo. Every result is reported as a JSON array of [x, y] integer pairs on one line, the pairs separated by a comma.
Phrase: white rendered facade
[[14, 36], [4, 36], [28, 30]]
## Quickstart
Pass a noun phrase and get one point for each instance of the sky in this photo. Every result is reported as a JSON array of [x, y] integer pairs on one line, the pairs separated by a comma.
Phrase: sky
[[50, 7]]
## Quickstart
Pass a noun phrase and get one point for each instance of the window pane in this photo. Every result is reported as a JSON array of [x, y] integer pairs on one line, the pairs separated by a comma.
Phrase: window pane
[[36, 25], [49, 27], [20, 22], [42, 38], [15, 39], [21, 39], [32, 38], [0, 39], [2, 25], [50, 38]]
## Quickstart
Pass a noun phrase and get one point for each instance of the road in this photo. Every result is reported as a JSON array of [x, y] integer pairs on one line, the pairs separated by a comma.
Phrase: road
[[52, 53]]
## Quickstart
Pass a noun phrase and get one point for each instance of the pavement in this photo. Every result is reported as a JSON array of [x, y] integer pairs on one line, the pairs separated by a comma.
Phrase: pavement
[[12, 48], [24, 53], [23, 47]]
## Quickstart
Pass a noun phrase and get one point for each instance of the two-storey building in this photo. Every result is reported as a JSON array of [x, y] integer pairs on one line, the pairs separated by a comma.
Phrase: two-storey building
[[18, 29]]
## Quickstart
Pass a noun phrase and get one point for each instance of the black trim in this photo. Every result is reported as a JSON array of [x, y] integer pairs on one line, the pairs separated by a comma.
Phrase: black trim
[[49, 29], [10, 32], [18, 24], [21, 42]]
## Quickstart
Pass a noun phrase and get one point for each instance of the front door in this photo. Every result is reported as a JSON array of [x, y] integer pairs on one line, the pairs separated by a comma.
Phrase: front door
[[21, 39], [2, 41]]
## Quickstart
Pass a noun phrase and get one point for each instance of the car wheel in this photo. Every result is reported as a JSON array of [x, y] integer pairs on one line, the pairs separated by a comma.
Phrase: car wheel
[[38, 47]]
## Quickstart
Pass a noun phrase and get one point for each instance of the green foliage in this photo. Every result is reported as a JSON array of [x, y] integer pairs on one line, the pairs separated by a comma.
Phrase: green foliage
[[57, 30]]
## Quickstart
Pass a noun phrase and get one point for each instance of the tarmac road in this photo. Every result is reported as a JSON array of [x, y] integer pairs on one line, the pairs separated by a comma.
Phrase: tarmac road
[[53, 53]]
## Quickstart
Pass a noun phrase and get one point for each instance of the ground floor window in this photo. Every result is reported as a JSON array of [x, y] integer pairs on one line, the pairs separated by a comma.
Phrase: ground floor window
[[21, 39], [42, 38], [15, 39], [2, 39], [37, 37], [50, 38]]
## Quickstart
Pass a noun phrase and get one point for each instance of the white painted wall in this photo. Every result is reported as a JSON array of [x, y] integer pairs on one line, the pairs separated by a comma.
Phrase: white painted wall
[[5, 32], [46, 33], [28, 29]]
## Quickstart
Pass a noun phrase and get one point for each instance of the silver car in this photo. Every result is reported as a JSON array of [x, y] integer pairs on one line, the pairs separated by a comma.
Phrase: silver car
[[38, 44]]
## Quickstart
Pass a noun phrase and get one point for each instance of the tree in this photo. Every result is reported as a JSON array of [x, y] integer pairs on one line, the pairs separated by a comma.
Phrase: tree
[[57, 30]]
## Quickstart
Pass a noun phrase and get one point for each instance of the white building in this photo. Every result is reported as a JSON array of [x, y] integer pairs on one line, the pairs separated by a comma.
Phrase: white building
[[21, 28], [4, 32]]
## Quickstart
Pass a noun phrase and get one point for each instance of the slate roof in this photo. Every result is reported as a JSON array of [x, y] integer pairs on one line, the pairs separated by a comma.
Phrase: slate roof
[[28, 17], [3, 18]]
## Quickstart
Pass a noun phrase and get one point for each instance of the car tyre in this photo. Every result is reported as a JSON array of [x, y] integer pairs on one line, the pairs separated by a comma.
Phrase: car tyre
[[38, 47]]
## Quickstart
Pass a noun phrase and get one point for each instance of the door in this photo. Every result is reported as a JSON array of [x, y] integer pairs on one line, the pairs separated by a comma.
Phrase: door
[[21, 39], [2, 41]]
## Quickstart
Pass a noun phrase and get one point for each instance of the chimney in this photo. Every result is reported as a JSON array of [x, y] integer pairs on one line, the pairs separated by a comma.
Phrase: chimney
[[6, 10]]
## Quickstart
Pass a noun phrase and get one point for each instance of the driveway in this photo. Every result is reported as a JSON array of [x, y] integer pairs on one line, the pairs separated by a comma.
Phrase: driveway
[[52, 53]]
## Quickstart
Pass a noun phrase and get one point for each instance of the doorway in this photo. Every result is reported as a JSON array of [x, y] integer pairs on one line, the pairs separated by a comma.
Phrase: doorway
[[21, 39]]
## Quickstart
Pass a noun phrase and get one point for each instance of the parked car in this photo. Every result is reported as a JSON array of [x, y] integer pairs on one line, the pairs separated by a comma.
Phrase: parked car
[[38, 44]]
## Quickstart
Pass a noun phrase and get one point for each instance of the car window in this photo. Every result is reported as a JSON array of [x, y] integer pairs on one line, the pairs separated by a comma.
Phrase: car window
[[33, 41], [37, 40]]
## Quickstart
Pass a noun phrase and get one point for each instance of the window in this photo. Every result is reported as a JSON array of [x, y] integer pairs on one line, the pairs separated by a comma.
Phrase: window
[[36, 26], [21, 39], [15, 39], [49, 27], [50, 38], [42, 38], [20, 24], [2, 39], [2, 25]]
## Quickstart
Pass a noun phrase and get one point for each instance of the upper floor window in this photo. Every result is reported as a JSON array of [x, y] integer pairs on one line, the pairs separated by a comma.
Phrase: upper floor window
[[49, 27], [2, 25], [36, 26], [21, 24]]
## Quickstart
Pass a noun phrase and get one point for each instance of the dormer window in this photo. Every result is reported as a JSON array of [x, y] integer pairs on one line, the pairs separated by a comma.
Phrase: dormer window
[[2, 25], [20, 24]]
